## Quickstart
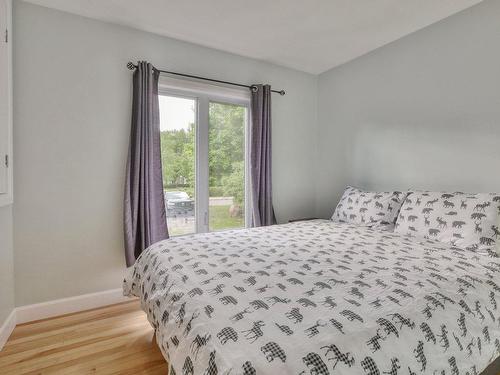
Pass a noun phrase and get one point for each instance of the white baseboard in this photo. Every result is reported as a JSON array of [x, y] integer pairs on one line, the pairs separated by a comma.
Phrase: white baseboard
[[37, 311], [69, 305], [7, 327]]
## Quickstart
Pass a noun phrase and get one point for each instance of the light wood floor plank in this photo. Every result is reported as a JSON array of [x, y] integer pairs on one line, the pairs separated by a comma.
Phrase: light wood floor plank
[[114, 340], [111, 340], [78, 334]]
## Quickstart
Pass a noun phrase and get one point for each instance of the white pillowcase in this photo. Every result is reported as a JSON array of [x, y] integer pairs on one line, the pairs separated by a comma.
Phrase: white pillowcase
[[368, 208], [469, 221]]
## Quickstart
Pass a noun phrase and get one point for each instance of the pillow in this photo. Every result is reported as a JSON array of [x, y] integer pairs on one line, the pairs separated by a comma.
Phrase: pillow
[[371, 209], [469, 221]]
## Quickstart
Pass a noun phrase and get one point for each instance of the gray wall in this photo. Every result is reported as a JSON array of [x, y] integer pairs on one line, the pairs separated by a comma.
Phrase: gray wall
[[72, 95], [422, 112], [6, 264]]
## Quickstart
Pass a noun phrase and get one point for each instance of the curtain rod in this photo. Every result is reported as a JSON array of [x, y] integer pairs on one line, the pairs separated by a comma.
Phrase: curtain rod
[[132, 66]]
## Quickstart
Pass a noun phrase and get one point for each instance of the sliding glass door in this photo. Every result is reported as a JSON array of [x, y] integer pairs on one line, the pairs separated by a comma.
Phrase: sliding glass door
[[177, 132], [226, 160], [204, 160]]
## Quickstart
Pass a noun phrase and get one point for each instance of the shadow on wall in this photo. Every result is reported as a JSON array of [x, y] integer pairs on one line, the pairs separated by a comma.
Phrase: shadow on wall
[[426, 156]]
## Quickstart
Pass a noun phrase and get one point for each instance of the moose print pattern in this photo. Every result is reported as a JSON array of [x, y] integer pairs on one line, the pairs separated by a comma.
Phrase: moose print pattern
[[464, 220], [319, 298], [371, 209]]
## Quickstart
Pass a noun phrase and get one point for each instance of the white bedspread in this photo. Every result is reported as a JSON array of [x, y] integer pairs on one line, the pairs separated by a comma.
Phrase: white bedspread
[[319, 297]]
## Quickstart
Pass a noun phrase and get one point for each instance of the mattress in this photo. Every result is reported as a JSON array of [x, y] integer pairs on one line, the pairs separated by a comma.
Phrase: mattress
[[318, 297]]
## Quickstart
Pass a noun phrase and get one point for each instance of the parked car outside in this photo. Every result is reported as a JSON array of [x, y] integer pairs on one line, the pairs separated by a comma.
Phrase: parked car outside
[[178, 203]]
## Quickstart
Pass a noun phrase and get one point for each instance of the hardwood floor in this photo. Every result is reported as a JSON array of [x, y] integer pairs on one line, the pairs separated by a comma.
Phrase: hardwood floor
[[111, 340]]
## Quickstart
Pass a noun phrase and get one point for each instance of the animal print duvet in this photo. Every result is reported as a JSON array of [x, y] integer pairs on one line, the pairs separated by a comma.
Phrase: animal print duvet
[[319, 297]]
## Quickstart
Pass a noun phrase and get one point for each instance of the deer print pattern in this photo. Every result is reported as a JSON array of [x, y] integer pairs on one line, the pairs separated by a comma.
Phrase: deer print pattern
[[337, 356], [314, 330], [420, 356], [199, 342], [188, 369], [255, 332], [357, 299], [471, 223], [395, 366], [371, 209]]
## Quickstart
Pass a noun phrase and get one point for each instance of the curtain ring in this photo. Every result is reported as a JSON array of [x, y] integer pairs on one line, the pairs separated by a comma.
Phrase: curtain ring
[[254, 88]]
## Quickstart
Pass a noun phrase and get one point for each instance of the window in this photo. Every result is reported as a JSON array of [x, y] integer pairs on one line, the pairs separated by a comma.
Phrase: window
[[204, 156], [177, 127]]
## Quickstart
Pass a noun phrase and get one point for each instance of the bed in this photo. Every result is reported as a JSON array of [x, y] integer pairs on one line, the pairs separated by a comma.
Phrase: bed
[[319, 297]]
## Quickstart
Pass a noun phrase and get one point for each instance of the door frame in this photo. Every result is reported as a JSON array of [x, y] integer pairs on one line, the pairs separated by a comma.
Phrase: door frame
[[204, 94]]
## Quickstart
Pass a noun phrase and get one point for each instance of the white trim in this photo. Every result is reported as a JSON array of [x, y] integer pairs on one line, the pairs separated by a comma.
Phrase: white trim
[[248, 180], [201, 170], [7, 327], [7, 198], [37, 311], [204, 94], [196, 89], [29, 313]]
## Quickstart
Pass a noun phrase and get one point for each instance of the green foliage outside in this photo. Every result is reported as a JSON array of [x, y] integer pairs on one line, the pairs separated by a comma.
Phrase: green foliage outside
[[216, 191], [226, 153], [225, 158], [177, 158], [220, 218], [233, 184]]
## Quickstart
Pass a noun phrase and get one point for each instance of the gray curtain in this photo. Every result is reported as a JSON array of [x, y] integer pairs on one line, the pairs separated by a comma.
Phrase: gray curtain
[[144, 204], [260, 157]]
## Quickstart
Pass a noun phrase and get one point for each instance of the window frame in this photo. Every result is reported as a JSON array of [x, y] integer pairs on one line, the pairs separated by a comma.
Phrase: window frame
[[203, 94]]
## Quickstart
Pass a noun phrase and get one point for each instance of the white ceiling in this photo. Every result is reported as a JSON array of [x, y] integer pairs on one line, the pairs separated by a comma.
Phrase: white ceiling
[[308, 35]]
